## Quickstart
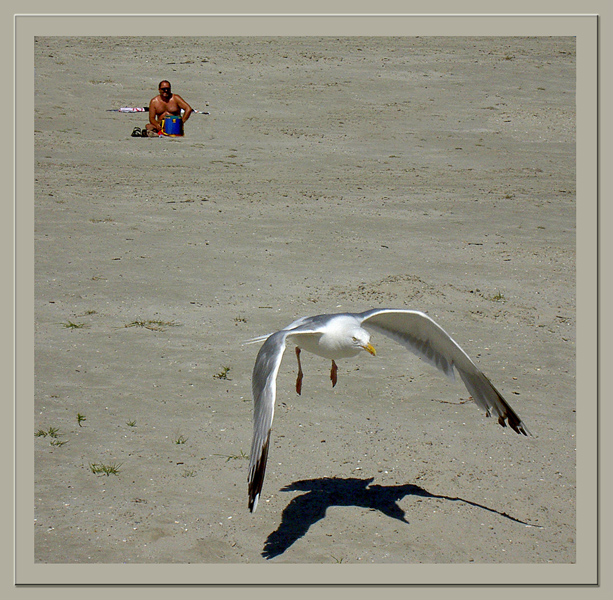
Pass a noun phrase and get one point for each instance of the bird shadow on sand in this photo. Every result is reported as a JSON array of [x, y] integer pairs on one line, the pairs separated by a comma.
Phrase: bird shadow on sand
[[320, 494]]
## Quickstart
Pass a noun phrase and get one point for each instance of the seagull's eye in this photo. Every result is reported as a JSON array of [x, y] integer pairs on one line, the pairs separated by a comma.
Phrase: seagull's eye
[[355, 339]]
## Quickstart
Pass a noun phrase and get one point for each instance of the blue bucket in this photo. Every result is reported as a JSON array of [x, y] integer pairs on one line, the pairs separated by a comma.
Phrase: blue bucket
[[172, 125]]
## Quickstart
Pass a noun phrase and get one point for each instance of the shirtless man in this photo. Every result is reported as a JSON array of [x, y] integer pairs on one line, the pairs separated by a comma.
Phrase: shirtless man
[[165, 104]]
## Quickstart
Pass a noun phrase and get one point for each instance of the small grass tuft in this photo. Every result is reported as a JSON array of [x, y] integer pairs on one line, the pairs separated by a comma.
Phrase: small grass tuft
[[53, 433], [151, 324], [223, 374], [180, 439], [131, 423], [100, 469], [105, 220], [80, 419], [230, 457], [73, 325]]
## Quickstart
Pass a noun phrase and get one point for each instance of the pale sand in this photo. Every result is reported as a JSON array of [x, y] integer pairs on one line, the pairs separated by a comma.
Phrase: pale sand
[[332, 174]]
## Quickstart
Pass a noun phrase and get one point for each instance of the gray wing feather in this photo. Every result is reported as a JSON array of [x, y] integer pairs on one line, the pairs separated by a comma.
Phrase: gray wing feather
[[264, 386], [417, 332], [264, 390]]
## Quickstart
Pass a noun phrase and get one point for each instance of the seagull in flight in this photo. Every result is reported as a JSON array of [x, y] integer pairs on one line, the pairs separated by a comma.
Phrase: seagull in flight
[[345, 335]]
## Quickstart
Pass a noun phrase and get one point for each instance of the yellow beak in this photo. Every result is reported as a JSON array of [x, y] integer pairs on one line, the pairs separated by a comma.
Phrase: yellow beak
[[370, 348]]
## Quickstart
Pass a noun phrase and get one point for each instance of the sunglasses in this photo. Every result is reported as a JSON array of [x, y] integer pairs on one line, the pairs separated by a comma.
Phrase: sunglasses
[[165, 89]]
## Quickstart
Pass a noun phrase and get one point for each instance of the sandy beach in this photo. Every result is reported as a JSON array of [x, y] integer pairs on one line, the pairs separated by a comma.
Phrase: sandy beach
[[332, 174]]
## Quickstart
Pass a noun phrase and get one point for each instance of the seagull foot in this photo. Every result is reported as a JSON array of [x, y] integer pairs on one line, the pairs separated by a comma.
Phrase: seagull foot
[[333, 372]]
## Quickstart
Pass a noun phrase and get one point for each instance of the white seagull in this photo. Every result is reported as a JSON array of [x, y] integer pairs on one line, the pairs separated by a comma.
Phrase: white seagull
[[342, 335]]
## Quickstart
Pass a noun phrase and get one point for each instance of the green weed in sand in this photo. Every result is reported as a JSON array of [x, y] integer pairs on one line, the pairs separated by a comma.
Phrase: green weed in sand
[[151, 324], [223, 374], [101, 469], [230, 457], [73, 325]]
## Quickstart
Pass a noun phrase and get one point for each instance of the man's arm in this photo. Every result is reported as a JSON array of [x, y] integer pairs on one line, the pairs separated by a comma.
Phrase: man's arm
[[153, 115], [185, 106]]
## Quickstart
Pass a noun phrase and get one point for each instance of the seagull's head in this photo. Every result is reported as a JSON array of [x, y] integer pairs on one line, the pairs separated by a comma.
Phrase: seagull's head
[[360, 338]]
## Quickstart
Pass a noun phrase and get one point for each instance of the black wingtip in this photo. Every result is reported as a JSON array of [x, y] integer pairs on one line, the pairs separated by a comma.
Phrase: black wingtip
[[511, 418], [514, 423], [256, 477]]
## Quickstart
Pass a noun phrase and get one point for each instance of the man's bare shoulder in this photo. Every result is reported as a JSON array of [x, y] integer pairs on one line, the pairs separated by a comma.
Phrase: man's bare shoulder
[[182, 103]]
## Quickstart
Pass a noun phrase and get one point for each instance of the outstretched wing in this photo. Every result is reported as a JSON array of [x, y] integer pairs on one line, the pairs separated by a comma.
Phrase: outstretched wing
[[417, 332], [264, 391]]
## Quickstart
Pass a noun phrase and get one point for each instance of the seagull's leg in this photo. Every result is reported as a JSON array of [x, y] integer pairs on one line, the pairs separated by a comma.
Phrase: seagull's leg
[[299, 377], [333, 372]]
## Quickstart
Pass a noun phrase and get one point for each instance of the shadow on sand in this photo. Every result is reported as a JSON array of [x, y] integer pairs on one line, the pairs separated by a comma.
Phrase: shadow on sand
[[310, 507]]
